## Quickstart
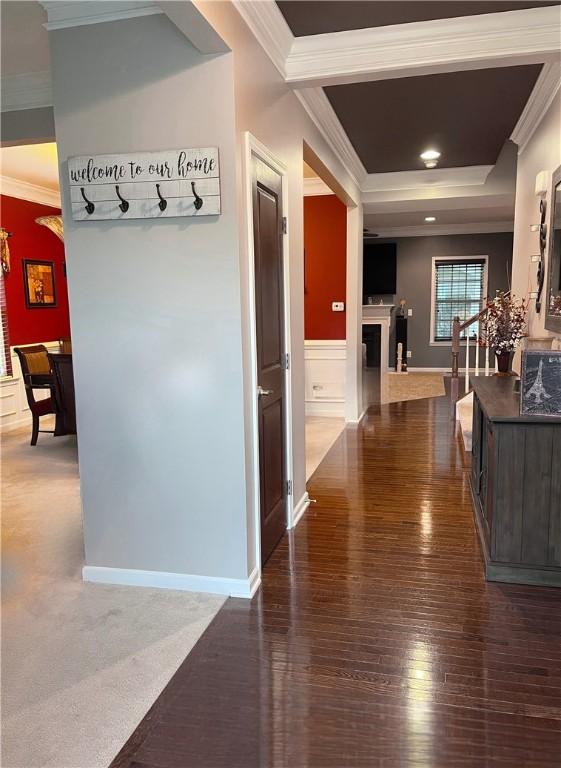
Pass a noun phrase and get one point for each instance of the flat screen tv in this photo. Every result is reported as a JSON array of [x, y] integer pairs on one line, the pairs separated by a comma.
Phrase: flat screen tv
[[379, 269]]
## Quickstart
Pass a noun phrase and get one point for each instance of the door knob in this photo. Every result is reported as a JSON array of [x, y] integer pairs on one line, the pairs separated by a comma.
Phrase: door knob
[[262, 392]]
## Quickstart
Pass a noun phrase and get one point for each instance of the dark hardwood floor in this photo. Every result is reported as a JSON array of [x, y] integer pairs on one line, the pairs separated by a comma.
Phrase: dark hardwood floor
[[374, 640]]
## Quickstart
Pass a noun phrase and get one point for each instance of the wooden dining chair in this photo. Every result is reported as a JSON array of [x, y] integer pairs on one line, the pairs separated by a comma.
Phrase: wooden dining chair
[[36, 372]]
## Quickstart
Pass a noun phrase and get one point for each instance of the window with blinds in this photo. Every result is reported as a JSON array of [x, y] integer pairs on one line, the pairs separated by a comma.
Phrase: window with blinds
[[459, 288]]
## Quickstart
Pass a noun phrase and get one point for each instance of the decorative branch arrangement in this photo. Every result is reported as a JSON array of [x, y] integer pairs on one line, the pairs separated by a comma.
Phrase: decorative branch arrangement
[[505, 326]]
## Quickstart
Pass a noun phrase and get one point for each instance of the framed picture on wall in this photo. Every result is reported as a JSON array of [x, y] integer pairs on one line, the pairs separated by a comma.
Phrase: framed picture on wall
[[39, 284], [540, 383]]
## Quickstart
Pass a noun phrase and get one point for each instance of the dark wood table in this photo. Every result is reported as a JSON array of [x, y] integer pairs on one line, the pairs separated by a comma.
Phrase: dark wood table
[[63, 392]]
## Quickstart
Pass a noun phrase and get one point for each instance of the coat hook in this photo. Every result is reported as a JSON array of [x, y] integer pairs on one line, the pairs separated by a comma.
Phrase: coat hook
[[163, 204], [124, 204], [90, 207], [198, 200]]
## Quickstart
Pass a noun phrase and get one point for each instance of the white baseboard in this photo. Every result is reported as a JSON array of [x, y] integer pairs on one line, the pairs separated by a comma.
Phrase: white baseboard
[[181, 581], [325, 408], [299, 509], [356, 422]]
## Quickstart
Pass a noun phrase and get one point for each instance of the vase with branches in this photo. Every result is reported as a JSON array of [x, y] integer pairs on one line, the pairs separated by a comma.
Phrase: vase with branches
[[505, 327]]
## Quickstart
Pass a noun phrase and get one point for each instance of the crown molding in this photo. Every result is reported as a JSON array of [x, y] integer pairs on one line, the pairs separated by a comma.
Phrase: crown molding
[[545, 89], [473, 228], [471, 175], [319, 108], [75, 13], [269, 28], [316, 186], [28, 90], [442, 45], [34, 193]]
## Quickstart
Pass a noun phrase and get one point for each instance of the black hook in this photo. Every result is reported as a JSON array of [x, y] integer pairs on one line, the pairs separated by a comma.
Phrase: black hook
[[124, 204], [163, 204], [198, 200], [90, 207]]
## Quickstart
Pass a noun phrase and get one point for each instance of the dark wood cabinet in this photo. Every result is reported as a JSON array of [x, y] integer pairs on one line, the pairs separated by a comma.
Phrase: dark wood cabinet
[[516, 486]]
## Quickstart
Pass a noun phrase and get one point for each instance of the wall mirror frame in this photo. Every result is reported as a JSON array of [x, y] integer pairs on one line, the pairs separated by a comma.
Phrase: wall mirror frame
[[553, 292]]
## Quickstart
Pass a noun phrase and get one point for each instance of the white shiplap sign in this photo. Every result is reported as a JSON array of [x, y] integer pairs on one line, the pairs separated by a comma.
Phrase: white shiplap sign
[[145, 185]]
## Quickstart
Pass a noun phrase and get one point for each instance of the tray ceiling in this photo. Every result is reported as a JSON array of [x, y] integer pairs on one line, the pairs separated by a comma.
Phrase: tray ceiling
[[467, 116], [314, 17]]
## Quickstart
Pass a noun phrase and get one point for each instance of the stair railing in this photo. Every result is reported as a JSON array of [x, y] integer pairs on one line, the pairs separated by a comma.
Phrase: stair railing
[[457, 328]]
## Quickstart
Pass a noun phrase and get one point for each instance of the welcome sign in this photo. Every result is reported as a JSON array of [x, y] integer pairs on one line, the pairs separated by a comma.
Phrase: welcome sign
[[146, 185]]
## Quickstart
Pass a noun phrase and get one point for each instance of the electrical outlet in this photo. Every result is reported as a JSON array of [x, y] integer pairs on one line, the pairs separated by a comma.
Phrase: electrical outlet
[[338, 306], [409, 312], [535, 259], [409, 353], [533, 295]]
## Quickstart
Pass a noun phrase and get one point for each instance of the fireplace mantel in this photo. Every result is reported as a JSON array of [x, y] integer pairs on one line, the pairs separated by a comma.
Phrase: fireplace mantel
[[381, 314]]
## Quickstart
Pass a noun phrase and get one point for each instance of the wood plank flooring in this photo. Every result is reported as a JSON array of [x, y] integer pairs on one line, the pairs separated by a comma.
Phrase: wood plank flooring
[[374, 640]]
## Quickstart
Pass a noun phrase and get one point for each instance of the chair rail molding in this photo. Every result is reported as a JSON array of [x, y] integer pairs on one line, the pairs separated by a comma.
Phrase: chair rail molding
[[75, 13], [543, 93], [26, 90], [426, 47]]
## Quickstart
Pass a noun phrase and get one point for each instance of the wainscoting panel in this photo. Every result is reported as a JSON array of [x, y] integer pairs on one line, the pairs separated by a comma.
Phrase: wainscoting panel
[[325, 362]]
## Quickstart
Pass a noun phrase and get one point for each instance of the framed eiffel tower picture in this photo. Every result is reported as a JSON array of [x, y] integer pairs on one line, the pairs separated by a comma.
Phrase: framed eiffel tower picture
[[540, 383]]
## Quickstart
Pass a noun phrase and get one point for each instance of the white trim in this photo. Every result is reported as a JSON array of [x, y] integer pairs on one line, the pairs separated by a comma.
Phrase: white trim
[[253, 146], [269, 28], [470, 175], [191, 22], [360, 418], [76, 13], [316, 186], [24, 190], [485, 258], [27, 90], [324, 117], [545, 90], [481, 227], [300, 508], [441, 45], [181, 581]]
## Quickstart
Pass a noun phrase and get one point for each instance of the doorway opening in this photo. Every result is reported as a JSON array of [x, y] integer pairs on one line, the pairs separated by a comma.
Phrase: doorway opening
[[325, 301]]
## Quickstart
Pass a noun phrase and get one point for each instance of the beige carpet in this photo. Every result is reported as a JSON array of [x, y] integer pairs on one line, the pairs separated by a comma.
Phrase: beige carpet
[[321, 433], [81, 663], [414, 386]]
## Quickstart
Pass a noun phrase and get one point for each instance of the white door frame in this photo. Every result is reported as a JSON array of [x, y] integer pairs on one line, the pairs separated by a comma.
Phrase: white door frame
[[253, 147]]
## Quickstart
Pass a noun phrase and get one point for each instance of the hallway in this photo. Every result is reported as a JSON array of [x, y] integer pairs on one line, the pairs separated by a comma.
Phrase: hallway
[[374, 640]]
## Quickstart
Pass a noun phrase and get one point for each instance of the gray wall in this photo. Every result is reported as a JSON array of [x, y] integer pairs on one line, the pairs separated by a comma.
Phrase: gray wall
[[155, 310], [414, 269]]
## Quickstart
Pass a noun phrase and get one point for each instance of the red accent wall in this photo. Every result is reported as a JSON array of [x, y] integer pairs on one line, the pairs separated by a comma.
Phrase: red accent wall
[[32, 241], [325, 261]]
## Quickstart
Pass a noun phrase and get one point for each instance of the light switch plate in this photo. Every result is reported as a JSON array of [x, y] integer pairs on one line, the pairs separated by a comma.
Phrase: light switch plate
[[338, 306], [409, 353], [409, 312]]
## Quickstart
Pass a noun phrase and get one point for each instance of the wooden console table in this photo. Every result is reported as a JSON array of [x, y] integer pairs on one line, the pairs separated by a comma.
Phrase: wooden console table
[[516, 486]]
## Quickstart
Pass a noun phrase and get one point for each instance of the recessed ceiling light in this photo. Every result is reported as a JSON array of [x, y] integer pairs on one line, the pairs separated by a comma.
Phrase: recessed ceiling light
[[430, 218], [430, 154]]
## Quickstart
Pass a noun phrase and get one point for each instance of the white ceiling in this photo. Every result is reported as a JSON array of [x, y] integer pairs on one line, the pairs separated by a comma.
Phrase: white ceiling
[[35, 164], [25, 41]]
